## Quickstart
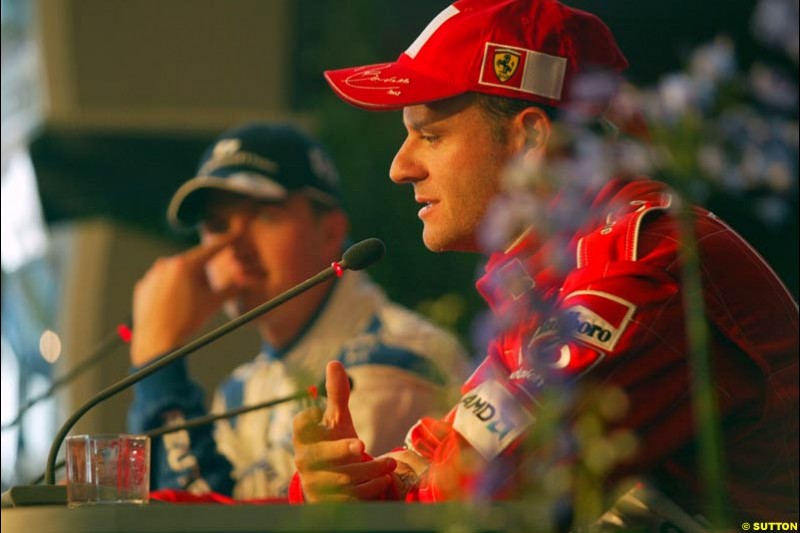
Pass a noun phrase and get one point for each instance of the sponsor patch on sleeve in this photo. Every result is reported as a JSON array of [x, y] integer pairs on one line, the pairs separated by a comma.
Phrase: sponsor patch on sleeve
[[595, 318], [490, 418]]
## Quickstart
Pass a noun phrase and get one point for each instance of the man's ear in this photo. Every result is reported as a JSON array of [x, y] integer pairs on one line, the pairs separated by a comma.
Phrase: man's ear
[[530, 132]]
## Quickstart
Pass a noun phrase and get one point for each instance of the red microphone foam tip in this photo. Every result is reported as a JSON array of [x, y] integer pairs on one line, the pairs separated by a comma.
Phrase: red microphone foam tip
[[124, 333], [313, 392]]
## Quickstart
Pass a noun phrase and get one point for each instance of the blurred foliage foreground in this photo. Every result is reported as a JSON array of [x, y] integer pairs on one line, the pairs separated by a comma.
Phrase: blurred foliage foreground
[[711, 131]]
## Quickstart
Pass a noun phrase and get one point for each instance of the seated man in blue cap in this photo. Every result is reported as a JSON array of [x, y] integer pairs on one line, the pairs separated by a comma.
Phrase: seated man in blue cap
[[267, 208]]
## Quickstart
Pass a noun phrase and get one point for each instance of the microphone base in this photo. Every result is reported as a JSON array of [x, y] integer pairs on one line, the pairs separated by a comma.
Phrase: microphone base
[[27, 495]]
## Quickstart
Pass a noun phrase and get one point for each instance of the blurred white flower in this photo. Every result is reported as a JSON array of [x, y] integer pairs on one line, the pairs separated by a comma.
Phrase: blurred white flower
[[625, 108], [507, 218], [650, 104], [778, 176], [593, 162], [772, 210], [677, 97], [772, 88], [523, 175], [709, 66], [634, 158], [715, 61], [590, 93], [595, 86], [752, 165], [775, 22]]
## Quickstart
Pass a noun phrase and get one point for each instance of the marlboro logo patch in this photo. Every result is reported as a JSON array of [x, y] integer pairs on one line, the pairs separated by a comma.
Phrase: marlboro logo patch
[[593, 317], [597, 318]]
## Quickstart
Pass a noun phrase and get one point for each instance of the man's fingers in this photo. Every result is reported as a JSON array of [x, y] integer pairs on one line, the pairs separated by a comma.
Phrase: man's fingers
[[353, 474], [325, 454], [337, 412], [372, 489], [200, 254], [306, 427], [358, 473], [364, 480]]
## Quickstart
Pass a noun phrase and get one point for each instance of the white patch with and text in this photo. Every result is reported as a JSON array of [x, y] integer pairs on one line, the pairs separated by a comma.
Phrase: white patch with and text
[[490, 418]]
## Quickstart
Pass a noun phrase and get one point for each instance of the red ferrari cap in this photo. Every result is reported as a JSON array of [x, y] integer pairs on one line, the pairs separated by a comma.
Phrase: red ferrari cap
[[523, 49]]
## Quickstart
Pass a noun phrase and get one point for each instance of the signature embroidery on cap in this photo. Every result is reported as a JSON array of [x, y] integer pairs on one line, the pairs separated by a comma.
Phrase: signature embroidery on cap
[[371, 79], [505, 63]]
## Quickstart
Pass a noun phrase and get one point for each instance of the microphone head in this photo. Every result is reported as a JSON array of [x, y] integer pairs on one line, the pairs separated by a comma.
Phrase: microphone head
[[363, 254]]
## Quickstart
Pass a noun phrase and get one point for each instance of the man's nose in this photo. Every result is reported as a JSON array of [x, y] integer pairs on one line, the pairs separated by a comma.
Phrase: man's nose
[[237, 223], [406, 168]]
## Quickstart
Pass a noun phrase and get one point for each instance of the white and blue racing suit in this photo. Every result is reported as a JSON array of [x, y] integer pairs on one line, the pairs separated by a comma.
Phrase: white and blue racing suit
[[402, 368]]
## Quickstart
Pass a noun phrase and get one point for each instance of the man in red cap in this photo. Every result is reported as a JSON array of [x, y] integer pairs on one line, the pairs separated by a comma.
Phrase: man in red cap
[[600, 300]]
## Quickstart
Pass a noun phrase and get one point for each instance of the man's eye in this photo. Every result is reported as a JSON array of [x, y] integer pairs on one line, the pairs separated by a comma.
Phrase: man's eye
[[430, 139]]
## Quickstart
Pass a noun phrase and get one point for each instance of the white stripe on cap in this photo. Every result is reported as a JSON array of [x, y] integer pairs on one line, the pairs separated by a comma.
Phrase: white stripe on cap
[[254, 184], [544, 74], [238, 158], [430, 29]]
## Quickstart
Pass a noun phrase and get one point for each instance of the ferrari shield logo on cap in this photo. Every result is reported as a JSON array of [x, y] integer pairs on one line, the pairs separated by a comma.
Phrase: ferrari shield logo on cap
[[505, 63]]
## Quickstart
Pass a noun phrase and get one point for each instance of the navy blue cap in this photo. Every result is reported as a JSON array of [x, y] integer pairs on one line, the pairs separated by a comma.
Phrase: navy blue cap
[[261, 161]]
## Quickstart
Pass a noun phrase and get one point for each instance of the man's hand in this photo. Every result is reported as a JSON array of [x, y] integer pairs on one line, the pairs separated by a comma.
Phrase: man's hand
[[328, 453], [173, 300]]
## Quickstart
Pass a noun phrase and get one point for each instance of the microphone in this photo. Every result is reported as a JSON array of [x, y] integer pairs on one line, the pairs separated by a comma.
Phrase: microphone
[[121, 335], [357, 257], [363, 254]]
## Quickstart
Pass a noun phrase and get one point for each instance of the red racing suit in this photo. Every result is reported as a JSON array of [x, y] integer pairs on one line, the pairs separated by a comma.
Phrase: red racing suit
[[606, 304], [613, 314]]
